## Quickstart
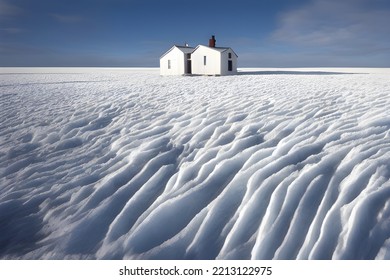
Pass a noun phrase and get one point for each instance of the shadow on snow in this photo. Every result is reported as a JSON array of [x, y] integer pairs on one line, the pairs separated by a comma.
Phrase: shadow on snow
[[287, 72]]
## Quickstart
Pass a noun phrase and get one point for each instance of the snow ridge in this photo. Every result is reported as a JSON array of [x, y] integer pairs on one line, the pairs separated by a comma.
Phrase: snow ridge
[[125, 164]]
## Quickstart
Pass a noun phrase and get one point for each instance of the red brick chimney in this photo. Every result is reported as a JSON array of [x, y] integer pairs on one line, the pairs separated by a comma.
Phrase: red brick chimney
[[212, 42]]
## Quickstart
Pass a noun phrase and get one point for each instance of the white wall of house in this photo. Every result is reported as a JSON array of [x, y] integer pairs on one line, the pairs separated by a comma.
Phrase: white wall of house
[[225, 62], [175, 58], [213, 61]]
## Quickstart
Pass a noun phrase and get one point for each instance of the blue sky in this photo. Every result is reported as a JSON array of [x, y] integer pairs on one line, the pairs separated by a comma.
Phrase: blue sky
[[264, 33]]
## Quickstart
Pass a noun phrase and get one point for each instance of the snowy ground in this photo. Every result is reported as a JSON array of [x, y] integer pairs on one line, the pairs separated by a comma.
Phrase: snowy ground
[[123, 163]]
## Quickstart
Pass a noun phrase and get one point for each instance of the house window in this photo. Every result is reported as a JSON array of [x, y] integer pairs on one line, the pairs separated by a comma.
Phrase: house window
[[169, 64], [204, 60], [188, 56], [230, 55]]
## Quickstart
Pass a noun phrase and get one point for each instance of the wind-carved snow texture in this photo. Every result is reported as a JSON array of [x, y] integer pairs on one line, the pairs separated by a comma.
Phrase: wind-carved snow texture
[[123, 163]]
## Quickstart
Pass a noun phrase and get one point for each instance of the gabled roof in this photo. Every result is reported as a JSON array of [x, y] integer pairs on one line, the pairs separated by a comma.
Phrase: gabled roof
[[186, 50], [183, 49], [219, 49]]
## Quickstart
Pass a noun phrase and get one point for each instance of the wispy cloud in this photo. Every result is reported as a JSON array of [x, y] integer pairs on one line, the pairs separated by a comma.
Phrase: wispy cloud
[[8, 10], [67, 18], [11, 30], [7, 13], [350, 26]]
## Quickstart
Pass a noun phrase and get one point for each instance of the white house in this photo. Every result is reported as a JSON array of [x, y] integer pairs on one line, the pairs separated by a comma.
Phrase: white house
[[213, 61], [202, 60], [176, 61]]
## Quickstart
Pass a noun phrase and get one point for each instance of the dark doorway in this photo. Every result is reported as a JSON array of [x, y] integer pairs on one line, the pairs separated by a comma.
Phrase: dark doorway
[[230, 65], [188, 67]]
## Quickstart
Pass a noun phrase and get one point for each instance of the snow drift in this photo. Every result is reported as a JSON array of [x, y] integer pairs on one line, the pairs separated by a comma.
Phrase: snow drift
[[125, 164]]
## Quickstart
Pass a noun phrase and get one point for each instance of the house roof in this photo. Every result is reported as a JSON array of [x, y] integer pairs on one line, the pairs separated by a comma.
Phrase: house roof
[[219, 49], [183, 49], [187, 50]]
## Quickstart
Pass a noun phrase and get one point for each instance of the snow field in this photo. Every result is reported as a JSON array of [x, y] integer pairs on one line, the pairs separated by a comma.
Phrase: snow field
[[123, 163]]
